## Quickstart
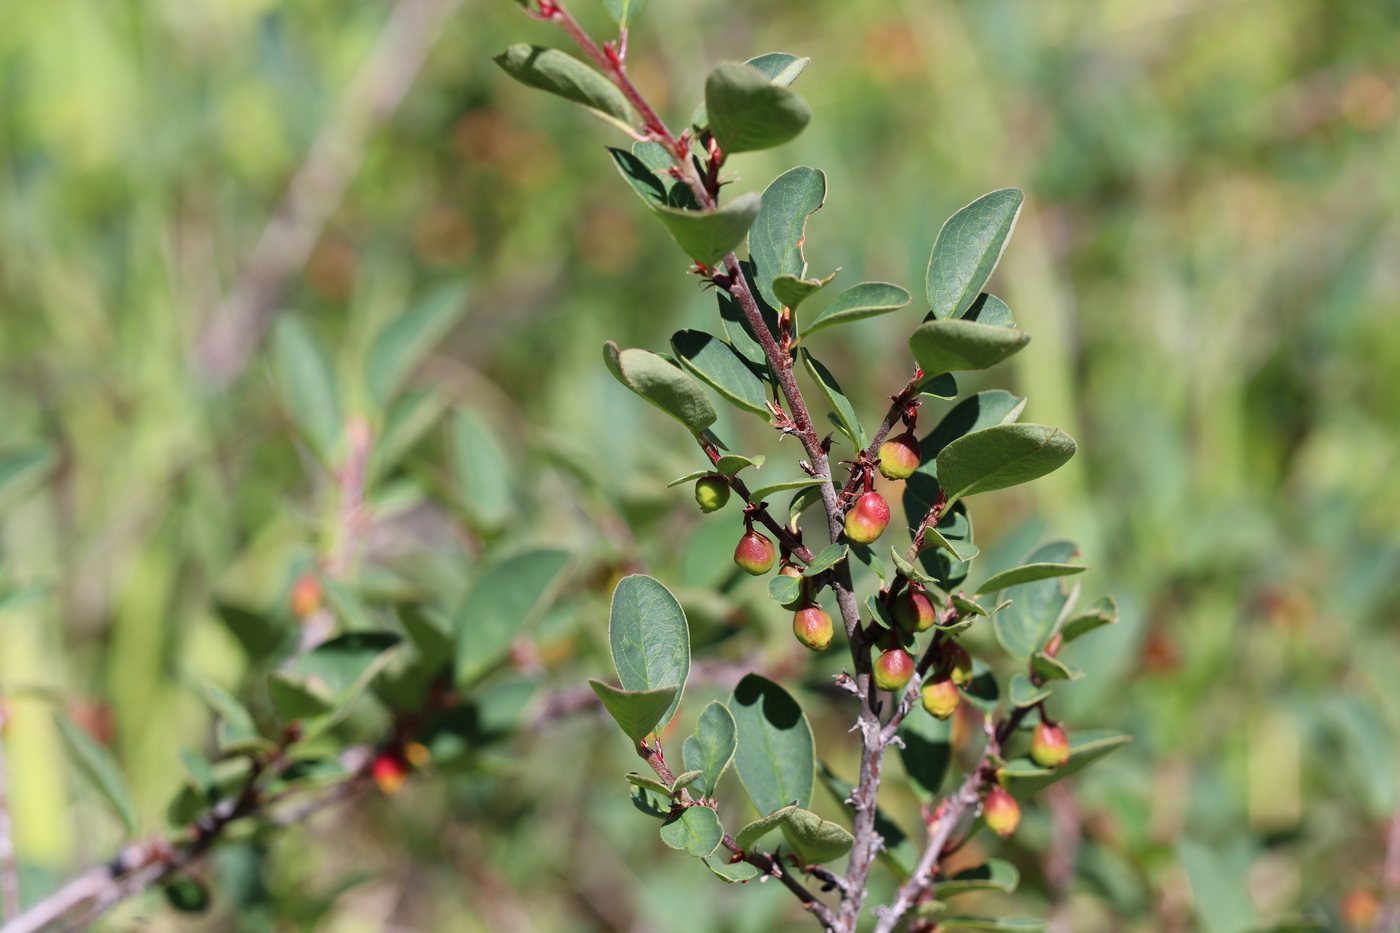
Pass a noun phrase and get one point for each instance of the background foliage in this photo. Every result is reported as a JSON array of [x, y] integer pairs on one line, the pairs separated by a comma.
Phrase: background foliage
[[1205, 260]]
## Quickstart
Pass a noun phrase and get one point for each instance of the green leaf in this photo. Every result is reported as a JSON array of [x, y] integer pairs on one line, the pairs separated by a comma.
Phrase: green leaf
[[695, 830], [749, 111], [967, 251], [732, 873], [431, 633], [942, 386], [814, 839], [637, 711], [802, 502], [944, 346], [927, 752], [236, 732], [1103, 611], [560, 73], [649, 637], [995, 406], [1032, 619], [781, 68], [297, 698], [1024, 777], [719, 366], [651, 803], [776, 757], [1219, 889], [825, 559], [763, 492], [737, 328], [689, 478], [624, 11], [344, 666], [859, 301], [506, 598], [989, 309], [662, 383], [1027, 573], [645, 170], [708, 236], [307, 383], [912, 572], [967, 607], [1048, 668], [955, 530], [775, 239], [685, 779], [784, 590], [1366, 754], [831, 389], [408, 420], [791, 290], [100, 769], [649, 782], [187, 895], [22, 471], [993, 924], [961, 549], [750, 835], [731, 464], [403, 343], [1001, 456], [995, 875], [481, 472], [1024, 693], [711, 749], [898, 853]]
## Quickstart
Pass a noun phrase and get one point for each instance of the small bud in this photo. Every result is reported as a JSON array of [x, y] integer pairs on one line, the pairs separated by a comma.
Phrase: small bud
[[1049, 745], [941, 698], [913, 611], [867, 519], [899, 456], [754, 554], [1001, 811], [711, 493], [893, 668], [812, 626], [389, 771], [305, 597], [959, 663]]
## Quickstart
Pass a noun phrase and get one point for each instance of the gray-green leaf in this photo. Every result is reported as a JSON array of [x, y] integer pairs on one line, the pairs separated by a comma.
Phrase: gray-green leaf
[[560, 73], [775, 239], [707, 236], [403, 343], [1024, 777], [506, 598], [695, 830], [1024, 693], [748, 110], [750, 835], [719, 366], [1000, 456], [995, 875], [831, 389], [776, 756], [1027, 573], [711, 749], [945, 346], [927, 752], [623, 11], [859, 301], [967, 251], [814, 839], [637, 712], [662, 383], [307, 383], [649, 637]]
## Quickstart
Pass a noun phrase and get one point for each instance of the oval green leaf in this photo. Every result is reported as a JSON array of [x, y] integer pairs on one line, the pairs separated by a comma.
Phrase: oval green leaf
[[927, 752], [859, 301], [403, 343], [775, 239], [995, 875], [1035, 613], [307, 383], [763, 492], [507, 597], [561, 74], [1001, 456], [636, 712], [649, 637], [662, 383], [748, 111], [100, 769], [708, 236], [776, 757], [695, 830], [750, 835], [814, 839], [967, 250], [1024, 693], [1024, 777], [711, 749], [945, 346], [831, 389], [1027, 573], [718, 365]]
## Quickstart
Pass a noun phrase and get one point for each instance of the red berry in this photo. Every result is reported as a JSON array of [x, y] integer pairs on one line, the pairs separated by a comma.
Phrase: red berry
[[867, 519], [305, 598], [389, 771], [899, 456], [1001, 811], [941, 698], [893, 668], [711, 493], [754, 554], [958, 663], [1049, 745], [812, 626], [913, 611]]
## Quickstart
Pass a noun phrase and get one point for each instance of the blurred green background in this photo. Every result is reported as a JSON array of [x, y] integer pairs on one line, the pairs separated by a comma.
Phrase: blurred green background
[[1207, 262]]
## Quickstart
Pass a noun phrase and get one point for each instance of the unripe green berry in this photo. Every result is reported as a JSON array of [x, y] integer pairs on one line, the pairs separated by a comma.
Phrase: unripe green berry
[[867, 519], [899, 456], [893, 669], [1001, 811], [754, 554], [711, 493], [959, 664], [913, 611], [812, 626], [941, 698], [1049, 746]]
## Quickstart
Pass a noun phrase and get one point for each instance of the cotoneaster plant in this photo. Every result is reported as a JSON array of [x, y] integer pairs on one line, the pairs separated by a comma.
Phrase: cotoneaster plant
[[908, 675]]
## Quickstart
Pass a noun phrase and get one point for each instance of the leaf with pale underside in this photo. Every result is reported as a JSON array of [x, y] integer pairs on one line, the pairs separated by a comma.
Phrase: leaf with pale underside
[[858, 302], [1024, 693], [967, 250], [1103, 611], [748, 111], [792, 290], [764, 492], [708, 236], [565, 76], [637, 712], [814, 839], [662, 383], [946, 346], [750, 835]]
